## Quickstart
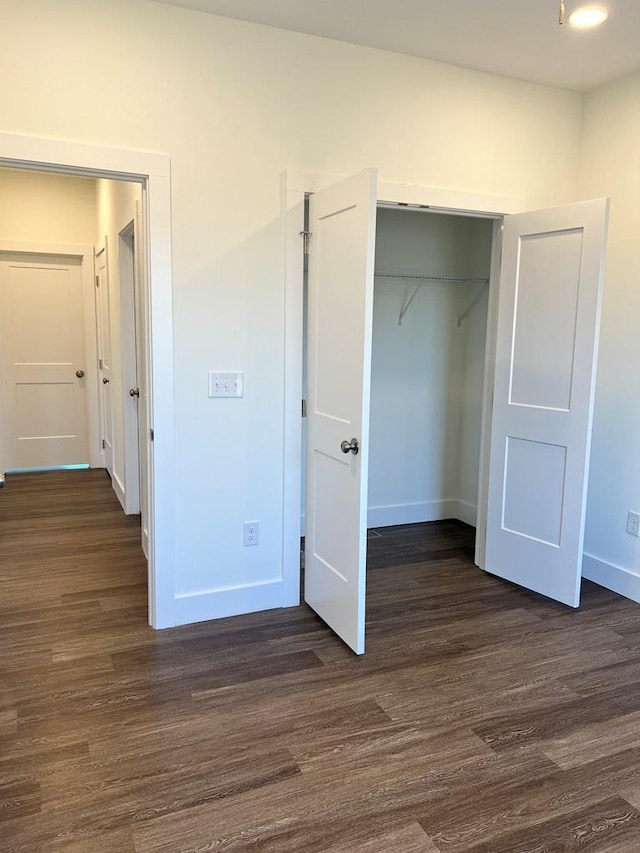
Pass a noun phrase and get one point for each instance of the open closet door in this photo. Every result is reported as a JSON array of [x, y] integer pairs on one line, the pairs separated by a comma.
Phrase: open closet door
[[340, 310], [547, 343]]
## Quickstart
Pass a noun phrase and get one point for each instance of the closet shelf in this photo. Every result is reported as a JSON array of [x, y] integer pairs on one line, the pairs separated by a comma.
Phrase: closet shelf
[[429, 278], [420, 280]]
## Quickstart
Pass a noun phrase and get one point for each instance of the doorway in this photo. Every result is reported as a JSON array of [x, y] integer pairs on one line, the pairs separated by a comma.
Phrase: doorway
[[431, 288], [152, 173], [431, 296], [135, 379]]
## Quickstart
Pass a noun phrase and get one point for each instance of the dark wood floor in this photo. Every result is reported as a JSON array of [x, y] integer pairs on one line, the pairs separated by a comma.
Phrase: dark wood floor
[[482, 719]]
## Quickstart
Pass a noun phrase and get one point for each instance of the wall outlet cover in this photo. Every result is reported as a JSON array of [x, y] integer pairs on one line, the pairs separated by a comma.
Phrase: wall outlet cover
[[251, 533]]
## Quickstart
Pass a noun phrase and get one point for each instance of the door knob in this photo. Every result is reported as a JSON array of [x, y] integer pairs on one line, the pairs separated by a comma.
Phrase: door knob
[[134, 392], [105, 381], [79, 373], [350, 446]]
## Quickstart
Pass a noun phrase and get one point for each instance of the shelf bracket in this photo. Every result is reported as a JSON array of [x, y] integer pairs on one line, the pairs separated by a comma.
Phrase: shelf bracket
[[407, 303], [472, 304]]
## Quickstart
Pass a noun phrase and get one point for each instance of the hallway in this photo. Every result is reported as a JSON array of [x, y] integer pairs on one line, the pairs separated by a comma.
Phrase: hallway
[[483, 719]]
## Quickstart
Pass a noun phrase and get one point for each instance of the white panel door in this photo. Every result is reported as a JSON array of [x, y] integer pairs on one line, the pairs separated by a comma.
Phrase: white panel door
[[42, 358], [547, 342], [103, 305], [342, 222], [143, 394]]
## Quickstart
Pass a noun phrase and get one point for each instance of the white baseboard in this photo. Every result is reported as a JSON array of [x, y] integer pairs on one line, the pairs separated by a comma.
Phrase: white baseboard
[[118, 488], [233, 601], [611, 577], [387, 516], [467, 512]]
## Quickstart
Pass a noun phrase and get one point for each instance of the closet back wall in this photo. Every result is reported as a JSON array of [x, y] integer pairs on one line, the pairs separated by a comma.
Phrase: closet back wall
[[426, 387]]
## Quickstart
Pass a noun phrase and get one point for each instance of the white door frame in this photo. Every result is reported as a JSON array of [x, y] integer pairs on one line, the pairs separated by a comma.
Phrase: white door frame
[[153, 172], [85, 255], [128, 324], [104, 325], [295, 186]]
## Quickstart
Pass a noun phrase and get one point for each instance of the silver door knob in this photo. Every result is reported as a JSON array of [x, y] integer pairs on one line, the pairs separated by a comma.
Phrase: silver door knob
[[79, 373], [350, 446], [134, 392], [105, 381]]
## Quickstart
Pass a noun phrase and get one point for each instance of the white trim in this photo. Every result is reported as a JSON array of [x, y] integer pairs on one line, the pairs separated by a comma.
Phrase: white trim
[[79, 158], [294, 186], [442, 199], [153, 171], [466, 512], [487, 394], [118, 487], [228, 601], [146, 446], [103, 249], [85, 254], [414, 513], [612, 577], [435, 198], [293, 217], [129, 379]]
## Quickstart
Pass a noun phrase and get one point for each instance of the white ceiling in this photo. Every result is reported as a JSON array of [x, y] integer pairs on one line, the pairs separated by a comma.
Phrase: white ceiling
[[516, 38]]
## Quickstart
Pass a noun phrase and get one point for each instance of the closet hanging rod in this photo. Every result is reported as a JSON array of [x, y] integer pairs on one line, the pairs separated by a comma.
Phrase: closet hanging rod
[[426, 278]]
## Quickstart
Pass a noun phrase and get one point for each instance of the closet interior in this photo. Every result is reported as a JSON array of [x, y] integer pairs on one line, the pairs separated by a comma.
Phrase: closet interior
[[431, 296], [429, 332]]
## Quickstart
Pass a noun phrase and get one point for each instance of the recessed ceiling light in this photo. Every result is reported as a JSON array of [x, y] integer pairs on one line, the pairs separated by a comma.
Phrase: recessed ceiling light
[[588, 16]]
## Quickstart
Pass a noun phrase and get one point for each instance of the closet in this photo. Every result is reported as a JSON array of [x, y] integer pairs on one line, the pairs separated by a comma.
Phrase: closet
[[429, 330], [431, 294], [396, 337]]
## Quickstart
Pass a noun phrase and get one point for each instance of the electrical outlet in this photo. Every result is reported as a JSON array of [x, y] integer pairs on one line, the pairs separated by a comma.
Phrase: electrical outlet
[[251, 533], [633, 523]]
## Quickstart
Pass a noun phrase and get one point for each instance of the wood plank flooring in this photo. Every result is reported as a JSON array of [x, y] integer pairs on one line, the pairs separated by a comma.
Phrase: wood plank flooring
[[483, 719]]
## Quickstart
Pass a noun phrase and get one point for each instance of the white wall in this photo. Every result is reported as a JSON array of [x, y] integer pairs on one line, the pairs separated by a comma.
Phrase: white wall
[[39, 207], [234, 104], [610, 165], [425, 408], [116, 208]]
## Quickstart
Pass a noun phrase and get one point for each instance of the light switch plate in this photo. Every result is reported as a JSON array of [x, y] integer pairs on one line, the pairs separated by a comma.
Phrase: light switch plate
[[227, 384]]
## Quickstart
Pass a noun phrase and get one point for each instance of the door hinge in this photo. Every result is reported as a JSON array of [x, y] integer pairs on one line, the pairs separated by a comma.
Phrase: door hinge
[[150, 435], [304, 408], [97, 281], [306, 237], [100, 363], [104, 444]]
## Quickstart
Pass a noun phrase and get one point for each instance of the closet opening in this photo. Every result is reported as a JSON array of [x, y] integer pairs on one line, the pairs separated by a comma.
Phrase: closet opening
[[429, 343]]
